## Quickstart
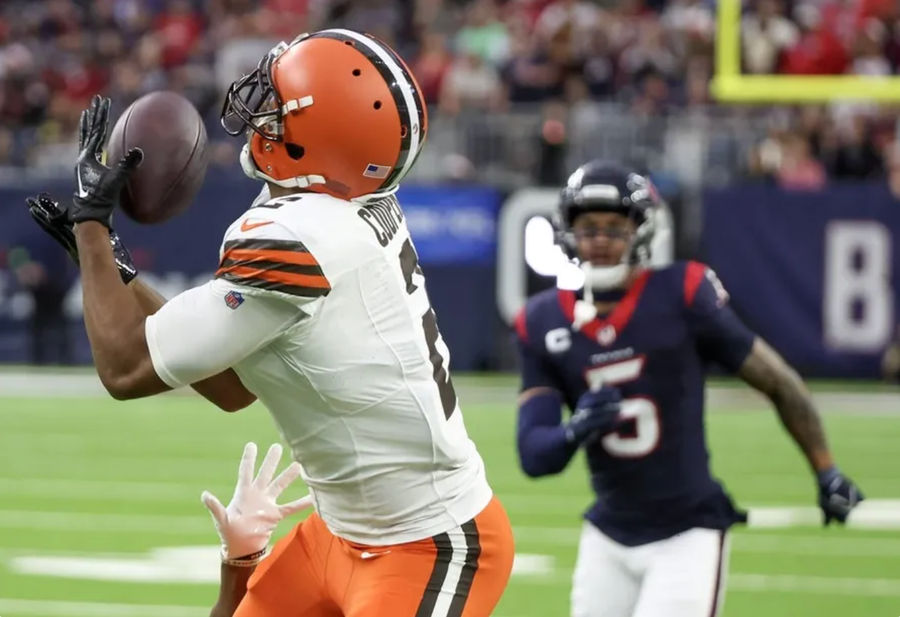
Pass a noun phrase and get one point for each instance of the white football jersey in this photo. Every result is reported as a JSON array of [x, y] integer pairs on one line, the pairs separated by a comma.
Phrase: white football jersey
[[320, 307]]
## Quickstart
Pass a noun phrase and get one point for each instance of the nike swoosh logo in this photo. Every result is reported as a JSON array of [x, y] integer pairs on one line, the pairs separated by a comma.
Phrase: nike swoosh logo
[[368, 555], [247, 225], [81, 192]]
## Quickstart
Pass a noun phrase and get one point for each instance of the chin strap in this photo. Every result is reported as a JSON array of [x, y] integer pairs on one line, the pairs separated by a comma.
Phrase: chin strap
[[585, 310], [599, 279]]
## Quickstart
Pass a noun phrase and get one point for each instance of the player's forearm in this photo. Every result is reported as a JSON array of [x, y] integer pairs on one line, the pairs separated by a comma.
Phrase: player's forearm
[[766, 371], [544, 450], [541, 439], [232, 589], [112, 316], [799, 415]]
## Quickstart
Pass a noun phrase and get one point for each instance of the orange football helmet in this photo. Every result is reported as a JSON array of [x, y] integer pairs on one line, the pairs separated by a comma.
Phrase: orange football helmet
[[334, 111]]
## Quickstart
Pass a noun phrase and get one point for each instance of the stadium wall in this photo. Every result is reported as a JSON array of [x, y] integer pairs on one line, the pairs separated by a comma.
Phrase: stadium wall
[[815, 273]]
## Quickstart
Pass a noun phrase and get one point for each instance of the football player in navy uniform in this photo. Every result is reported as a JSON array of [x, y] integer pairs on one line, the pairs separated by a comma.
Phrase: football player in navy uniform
[[628, 355]]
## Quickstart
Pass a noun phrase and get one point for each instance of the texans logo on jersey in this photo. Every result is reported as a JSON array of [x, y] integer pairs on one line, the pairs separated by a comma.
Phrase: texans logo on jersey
[[233, 299]]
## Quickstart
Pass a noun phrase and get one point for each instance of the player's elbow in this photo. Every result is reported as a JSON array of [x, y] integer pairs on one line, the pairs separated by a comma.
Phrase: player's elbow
[[130, 380], [235, 403], [119, 385], [534, 465], [532, 468]]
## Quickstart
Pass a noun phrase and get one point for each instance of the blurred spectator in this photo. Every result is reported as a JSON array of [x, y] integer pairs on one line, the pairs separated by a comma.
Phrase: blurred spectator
[[531, 75], [577, 18], [46, 274], [893, 179], [869, 58], [484, 34], [652, 96], [652, 58], [856, 157], [819, 50], [799, 170], [431, 65], [650, 53], [471, 84], [178, 28], [765, 34], [552, 170]]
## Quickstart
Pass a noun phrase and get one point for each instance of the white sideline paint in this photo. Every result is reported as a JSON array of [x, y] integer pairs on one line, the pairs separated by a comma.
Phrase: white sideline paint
[[183, 564], [876, 514], [38, 383], [881, 514], [199, 564], [814, 584], [57, 608]]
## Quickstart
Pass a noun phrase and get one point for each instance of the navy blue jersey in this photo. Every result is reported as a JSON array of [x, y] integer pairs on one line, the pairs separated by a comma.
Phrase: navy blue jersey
[[651, 478]]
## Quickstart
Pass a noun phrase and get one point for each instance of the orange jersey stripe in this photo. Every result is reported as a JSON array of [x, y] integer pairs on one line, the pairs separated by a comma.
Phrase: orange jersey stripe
[[288, 257], [276, 276]]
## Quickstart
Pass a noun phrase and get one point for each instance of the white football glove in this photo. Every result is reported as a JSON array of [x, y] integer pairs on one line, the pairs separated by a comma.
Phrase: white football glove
[[246, 525]]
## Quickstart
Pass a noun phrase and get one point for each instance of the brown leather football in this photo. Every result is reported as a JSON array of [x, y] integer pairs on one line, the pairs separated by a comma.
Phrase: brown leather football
[[167, 127]]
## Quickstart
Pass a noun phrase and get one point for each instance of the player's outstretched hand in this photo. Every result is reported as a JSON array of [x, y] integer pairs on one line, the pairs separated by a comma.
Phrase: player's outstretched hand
[[837, 495], [246, 525], [98, 186], [596, 413], [54, 219]]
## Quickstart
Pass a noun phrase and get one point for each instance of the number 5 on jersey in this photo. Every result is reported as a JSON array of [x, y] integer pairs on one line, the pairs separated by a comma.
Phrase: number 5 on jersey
[[645, 437], [409, 265]]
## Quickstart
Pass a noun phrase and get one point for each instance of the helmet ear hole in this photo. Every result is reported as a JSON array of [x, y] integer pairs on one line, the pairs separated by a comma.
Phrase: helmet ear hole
[[295, 151], [404, 131]]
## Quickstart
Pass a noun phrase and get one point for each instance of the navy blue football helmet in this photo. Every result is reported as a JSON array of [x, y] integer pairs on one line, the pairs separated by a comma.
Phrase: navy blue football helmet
[[603, 186]]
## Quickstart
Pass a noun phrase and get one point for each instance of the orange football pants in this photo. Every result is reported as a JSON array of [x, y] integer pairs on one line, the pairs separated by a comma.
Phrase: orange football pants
[[313, 573]]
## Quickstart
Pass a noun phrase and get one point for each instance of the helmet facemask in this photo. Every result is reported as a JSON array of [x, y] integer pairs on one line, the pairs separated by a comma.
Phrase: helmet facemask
[[253, 103]]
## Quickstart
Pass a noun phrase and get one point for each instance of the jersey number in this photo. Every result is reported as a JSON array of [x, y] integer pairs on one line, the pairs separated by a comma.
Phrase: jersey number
[[409, 265], [643, 438]]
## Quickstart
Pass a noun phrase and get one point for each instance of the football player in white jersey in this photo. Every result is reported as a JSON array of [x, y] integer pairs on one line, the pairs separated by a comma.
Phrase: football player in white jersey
[[319, 310]]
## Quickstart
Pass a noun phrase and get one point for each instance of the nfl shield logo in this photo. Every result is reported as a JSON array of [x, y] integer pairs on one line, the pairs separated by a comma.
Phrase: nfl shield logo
[[233, 299], [607, 335]]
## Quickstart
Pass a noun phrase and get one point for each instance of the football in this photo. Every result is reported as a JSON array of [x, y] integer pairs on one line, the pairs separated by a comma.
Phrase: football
[[167, 127]]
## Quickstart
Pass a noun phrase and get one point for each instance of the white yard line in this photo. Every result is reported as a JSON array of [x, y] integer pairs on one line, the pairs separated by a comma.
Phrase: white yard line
[[108, 489], [79, 522], [827, 585], [57, 608], [753, 542], [871, 514]]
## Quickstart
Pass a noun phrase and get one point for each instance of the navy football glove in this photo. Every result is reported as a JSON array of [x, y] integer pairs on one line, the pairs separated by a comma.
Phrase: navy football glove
[[596, 413], [98, 186], [54, 219], [837, 495]]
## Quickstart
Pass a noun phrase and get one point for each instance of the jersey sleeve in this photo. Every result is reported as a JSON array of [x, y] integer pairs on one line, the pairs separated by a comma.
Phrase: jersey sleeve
[[535, 369], [210, 328], [263, 256], [720, 334]]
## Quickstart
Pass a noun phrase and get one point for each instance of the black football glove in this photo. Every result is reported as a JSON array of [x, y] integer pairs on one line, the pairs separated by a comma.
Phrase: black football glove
[[54, 219], [596, 414], [98, 186], [837, 495]]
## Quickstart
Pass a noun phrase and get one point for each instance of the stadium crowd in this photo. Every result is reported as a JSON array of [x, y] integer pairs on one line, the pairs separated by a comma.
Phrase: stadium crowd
[[654, 57]]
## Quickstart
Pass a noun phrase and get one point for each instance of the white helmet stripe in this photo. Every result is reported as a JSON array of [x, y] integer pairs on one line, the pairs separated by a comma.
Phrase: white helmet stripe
[[406, 88]]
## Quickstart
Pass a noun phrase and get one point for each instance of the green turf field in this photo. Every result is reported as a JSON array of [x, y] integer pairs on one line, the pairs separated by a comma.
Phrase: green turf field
[[91, 489]]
